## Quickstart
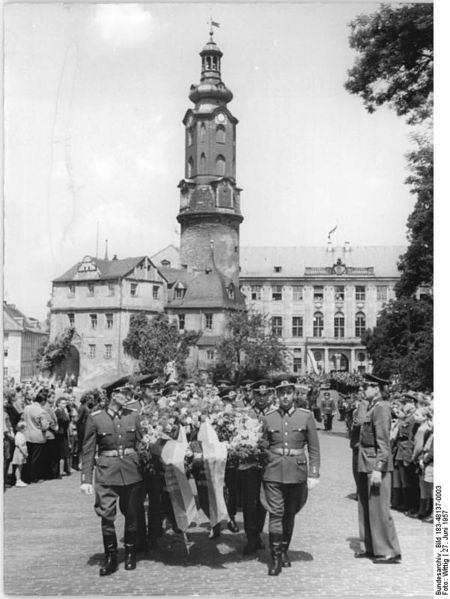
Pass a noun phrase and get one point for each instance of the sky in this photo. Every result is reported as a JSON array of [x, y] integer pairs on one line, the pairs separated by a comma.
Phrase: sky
[[94, 97]]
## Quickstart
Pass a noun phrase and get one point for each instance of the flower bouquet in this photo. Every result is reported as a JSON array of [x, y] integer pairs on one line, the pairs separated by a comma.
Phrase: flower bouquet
[[246, 448]]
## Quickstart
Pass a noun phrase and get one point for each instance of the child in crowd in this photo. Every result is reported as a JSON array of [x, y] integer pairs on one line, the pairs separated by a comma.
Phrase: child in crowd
[[20, 453]]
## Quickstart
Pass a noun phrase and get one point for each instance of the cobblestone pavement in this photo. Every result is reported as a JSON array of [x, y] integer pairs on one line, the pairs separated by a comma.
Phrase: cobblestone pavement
[[52, 546]]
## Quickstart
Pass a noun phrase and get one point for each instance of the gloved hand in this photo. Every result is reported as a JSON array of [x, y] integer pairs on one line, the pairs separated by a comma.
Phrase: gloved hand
[[313, 482], [86, 488], [375, 478]]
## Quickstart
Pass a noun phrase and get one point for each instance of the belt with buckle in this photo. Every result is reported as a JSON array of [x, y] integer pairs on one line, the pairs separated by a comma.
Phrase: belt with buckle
[[283, 451], [114, 453]]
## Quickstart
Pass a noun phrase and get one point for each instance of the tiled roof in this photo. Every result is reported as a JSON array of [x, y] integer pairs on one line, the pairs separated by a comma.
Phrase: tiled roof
[[10, 316], [108, 269], [260, 261], [203, 290]]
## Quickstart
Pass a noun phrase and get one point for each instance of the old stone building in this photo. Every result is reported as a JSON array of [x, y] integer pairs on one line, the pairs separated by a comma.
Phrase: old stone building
[[318, 300], [22, 338]]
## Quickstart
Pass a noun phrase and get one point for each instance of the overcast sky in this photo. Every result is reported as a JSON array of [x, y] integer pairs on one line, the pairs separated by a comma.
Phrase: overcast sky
[[94, 99]]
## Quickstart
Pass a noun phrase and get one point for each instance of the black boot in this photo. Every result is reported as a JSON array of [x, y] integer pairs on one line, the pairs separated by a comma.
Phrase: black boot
[[232, 526], [285, 561], [251, 547], [110, 564], [214, 533], [275, 554], [130, 557]]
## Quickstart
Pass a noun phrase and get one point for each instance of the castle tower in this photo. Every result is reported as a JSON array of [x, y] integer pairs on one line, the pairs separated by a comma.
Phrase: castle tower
[[209, 197]]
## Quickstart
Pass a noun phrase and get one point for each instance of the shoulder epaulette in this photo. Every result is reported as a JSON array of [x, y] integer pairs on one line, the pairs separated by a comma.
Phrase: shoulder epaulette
[[96, 412], [271, 411], [304, 410]]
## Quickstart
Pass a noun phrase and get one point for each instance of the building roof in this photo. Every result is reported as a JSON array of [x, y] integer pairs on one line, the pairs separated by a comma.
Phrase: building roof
[[203, 289], [261, 261], [107, 269], [15, 320]]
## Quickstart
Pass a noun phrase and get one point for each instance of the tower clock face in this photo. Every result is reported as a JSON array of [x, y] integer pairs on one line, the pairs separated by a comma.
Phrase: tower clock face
[[220, 118]]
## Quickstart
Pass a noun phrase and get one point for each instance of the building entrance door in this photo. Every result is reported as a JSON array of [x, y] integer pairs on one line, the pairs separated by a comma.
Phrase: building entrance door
[[339, 362]]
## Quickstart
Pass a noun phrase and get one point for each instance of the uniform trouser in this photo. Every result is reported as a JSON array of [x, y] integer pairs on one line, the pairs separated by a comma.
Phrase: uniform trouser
[[130, 500], [328, 421], [283, 502], [51, 459], [153, 488], [252, 510], [355, 452], [376, 526], [231, 491], [36, 462]]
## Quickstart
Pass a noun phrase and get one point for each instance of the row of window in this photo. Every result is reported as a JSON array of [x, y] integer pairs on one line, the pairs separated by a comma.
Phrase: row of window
[[318, 292], [339, 325], [92, 351], [219, 170], [109, 320], [111, 290], [220, 134]]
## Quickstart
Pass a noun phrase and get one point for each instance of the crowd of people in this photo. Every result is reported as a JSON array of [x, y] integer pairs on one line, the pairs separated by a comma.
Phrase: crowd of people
[[45, 426]]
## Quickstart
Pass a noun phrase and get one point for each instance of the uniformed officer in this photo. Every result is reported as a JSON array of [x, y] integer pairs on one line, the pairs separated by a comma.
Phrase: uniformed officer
[[327, 407], [375, 466], [115, 431], [253, 512], [287, 431]]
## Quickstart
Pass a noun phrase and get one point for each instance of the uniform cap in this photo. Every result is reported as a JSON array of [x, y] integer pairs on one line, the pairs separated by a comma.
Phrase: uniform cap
[[371, 378], [117, 385], [285, 385], [263, 386]]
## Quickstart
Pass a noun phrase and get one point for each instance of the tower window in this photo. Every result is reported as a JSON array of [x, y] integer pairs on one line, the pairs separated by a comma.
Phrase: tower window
[[71, 317], [155, 291], [190, 167], [339, 325], [202, 132], [181, 321], [203, 163], [208, 321], [231, 291], [189, 137], [220, 165], [220, 134]]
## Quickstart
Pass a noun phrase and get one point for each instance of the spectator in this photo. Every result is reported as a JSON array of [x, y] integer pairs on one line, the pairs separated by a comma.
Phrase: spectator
[[8, 445], [51, 447], [62, 436], [73, 441], [36, 423], [83, 413], [20, 454]]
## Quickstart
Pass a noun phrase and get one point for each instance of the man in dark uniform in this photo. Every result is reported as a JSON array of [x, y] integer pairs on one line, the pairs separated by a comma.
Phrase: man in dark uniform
[[116, 432], [287, 431], [327, 407], [253, 512], [375, 466]]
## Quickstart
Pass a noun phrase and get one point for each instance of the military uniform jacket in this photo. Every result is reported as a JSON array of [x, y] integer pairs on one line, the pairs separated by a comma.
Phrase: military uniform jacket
[[405, 440], [374, 441], [109, 432], [296, 431], [327, 406]]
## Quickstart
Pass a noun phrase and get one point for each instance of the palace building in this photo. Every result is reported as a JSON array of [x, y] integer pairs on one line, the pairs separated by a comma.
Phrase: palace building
[[318, 300]]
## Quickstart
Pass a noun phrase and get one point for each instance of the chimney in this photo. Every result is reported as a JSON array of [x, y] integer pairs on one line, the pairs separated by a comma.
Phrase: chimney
[[106, 249], [115, 257]]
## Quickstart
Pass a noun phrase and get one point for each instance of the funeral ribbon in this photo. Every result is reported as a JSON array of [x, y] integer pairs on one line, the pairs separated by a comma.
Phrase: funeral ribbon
[[178, 487], [214, 459]]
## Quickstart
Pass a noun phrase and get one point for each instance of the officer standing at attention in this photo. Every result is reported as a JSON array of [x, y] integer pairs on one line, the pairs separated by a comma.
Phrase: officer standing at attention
[[116, 432], [253, 512], [375, 465], [287, 431]]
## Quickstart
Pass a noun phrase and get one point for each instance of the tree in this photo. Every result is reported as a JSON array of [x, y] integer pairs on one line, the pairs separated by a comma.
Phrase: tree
[[156, 341], [249, 350], [394, 65], [402, 342], [51, 354], [416, 265]]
